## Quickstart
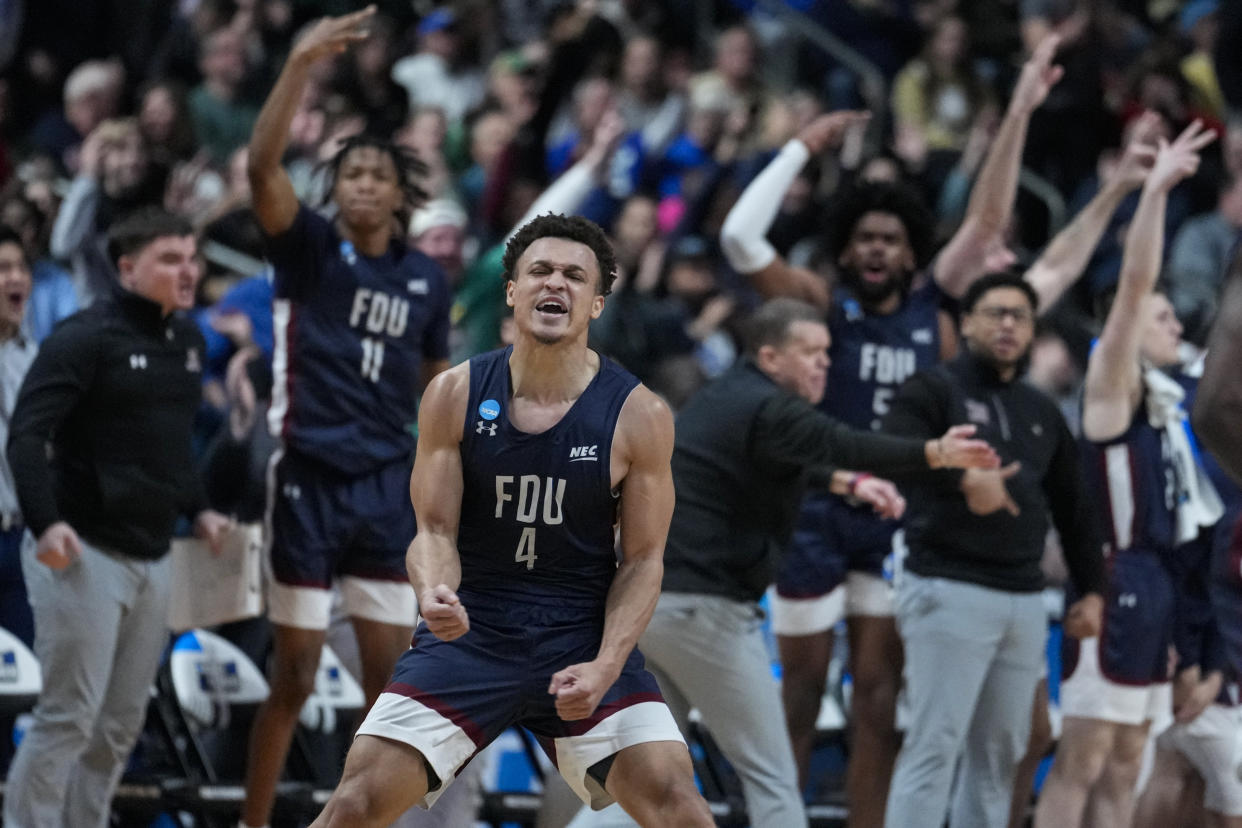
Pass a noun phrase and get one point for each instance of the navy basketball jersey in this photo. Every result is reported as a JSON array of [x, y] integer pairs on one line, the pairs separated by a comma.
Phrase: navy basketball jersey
[[1135, 482], [351, 333], [538, 510], [873, 354]]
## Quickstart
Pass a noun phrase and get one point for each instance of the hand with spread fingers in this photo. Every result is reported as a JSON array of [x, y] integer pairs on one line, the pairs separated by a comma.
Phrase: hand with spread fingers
[[958, 449], [828, 131], [1039, 75], [1179, 160], [332, 36]]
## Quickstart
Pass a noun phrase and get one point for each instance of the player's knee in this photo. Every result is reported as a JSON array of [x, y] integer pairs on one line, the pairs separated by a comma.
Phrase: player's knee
[[294, 681], [352, 807], [874, 700], [1080, 764], [679, 803]]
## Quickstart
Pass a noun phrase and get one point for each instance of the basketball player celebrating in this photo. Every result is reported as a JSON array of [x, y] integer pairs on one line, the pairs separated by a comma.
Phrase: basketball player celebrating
[[361, 324], [886, 323], [526, 458], [1153, 497]]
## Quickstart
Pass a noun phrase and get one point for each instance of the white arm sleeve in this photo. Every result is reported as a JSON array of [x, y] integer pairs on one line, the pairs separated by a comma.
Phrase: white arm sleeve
[[743, 235], [564, 195]]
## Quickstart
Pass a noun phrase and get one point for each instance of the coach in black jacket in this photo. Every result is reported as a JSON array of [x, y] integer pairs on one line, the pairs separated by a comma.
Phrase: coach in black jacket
[[745, 445], [113, 394], [969, 607]]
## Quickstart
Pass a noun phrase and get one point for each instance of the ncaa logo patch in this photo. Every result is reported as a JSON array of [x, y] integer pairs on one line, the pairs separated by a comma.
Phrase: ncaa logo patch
[[489, 409]]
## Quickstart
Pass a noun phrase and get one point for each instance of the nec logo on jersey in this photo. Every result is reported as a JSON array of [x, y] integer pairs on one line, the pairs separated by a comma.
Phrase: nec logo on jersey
[[583, 453]]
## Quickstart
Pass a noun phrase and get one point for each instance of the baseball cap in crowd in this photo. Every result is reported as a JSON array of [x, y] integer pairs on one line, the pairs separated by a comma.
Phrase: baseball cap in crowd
[[689, 248], [437, 20]]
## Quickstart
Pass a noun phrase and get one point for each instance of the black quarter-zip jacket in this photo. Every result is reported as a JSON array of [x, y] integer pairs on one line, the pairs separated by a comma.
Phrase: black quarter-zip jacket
[[113, 394], [999, 551]]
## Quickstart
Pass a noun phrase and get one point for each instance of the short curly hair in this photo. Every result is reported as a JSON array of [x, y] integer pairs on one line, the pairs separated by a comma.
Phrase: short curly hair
[[899, 200], [574, 228], [410, 171]]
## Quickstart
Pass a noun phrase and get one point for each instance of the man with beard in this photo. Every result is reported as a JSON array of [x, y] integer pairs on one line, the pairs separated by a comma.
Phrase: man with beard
[[361, 325], [886, 323], [969, 602]]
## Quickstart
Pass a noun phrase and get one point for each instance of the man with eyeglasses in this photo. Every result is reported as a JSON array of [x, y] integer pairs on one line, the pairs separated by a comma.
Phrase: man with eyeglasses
[[969, 604]]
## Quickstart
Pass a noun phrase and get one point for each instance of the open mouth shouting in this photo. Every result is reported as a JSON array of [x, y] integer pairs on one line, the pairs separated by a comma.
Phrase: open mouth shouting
[[551, 307]]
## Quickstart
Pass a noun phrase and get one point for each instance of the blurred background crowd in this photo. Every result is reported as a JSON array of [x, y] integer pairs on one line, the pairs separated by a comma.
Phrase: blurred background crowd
[[109, 104]]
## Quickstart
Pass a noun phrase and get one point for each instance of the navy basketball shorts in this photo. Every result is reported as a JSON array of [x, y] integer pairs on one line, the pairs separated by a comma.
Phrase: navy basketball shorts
[[1123, 674], [834, 566], [449, 700], [326, 529]]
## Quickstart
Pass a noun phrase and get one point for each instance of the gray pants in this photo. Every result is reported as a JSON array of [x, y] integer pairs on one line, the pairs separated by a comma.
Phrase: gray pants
[[973, 658], [708, 652], [100, 629]]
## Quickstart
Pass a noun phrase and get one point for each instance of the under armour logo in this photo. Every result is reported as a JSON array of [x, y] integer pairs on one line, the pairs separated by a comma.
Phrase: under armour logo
[[292, 491], [138, 361], [485, 428], [1127, 599]]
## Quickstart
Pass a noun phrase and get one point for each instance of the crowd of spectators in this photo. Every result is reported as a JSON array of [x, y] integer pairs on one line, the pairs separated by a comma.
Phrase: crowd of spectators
[[112, 107]]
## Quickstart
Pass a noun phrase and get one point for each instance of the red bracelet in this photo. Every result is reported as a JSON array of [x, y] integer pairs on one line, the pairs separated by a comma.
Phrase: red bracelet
[[856, 479]]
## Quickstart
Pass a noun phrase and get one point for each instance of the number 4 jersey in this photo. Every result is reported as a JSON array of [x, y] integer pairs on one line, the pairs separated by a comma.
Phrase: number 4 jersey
[[538, 510], [351, 334]]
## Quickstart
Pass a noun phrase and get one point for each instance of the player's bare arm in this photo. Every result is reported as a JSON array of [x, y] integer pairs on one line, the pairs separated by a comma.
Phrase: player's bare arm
[[435, 489], [1065, 259], [991, 201], [1218, 406], [742, 235], [1114, 383], [275, 203], [641, 456]]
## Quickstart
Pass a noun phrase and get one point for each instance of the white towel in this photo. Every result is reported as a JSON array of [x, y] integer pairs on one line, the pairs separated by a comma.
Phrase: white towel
[[1198, 504]]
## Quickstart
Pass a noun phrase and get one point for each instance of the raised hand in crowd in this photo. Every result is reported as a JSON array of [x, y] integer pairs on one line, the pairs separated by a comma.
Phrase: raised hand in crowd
[[828, 131]]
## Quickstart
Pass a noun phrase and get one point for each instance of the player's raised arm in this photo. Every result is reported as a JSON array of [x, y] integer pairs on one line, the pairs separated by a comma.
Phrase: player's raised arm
[[743, 234], [991, 201], [1114, 384], [644, 438], [435, 490], [1064, 260], [275, 203]]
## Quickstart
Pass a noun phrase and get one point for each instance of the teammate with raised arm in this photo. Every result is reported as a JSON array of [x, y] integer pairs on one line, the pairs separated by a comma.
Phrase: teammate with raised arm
[[361, 324], [527, 457], [1153, 496], [886, 323]]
